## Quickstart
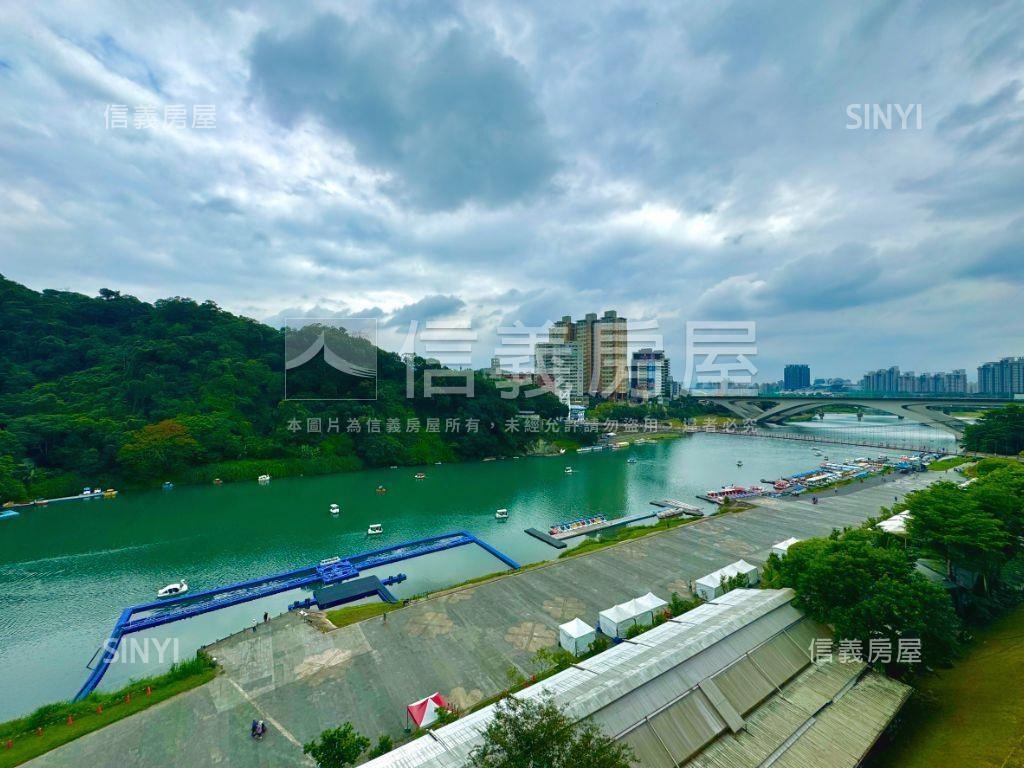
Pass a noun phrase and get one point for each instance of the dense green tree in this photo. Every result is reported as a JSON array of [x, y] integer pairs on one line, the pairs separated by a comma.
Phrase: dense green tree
[[159, 449], [537, 734], [868, 591], [337, 747], [11, 486], [82, 378], [949, 523], [997, 431]]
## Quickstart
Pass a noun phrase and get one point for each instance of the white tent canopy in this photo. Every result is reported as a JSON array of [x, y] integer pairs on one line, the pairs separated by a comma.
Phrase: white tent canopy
[[782, 547], [897, 524], [651, 602], [616, 620], [576, 636], [709, 587]]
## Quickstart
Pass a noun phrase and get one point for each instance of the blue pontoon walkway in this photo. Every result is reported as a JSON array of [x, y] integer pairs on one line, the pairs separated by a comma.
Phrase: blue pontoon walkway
[[136, 618]]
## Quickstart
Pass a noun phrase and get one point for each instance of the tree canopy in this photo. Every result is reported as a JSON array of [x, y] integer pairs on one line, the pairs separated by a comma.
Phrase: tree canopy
[[337, 747], [997, 431], [868, 591], [537, 734], [112, 389]]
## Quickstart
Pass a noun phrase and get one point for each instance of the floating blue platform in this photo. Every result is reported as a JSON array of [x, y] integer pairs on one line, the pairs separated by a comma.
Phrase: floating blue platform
[[136, 618]]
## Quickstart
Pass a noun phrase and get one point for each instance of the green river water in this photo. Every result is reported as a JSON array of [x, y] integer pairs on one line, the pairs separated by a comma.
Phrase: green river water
[[67, 570]]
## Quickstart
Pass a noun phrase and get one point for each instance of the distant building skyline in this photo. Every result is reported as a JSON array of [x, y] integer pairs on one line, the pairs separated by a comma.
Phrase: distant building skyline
[[796, 376]]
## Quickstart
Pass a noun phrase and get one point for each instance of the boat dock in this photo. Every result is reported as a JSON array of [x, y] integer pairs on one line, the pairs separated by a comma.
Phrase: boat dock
[[675, 505], [44, 502], [558, 540], [333, 571], [547, 538]]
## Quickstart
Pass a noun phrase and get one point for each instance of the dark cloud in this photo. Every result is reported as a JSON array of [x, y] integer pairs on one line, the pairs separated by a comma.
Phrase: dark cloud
[[445, 111], [427, 308], [517, 162]]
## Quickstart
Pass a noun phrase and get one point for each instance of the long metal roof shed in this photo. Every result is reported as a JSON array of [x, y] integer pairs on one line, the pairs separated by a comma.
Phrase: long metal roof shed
[[728, 684]]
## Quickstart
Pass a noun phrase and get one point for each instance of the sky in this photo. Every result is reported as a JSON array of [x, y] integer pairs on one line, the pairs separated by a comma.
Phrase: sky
[[495, 162]]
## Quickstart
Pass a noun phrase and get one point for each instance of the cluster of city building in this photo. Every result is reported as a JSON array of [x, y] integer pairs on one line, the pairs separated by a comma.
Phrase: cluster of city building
[[590, 357], [1005, 377]]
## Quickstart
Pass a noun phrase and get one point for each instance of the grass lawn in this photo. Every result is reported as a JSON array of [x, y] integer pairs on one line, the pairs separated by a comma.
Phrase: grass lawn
[[21, 733], [352, 614], [971, 715], [949, 462]]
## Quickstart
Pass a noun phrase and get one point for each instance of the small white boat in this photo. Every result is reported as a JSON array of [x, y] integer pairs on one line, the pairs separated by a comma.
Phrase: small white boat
[[263, 479], [335, 510], [501, 514], [631, 460], [568, 470], [374, 529], [330, 561], [420, 475], [173, 590]]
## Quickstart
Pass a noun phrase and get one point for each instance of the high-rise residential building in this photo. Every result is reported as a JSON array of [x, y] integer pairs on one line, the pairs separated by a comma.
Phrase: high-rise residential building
[[610, 365], [596, 364], [1005, 377], [558, 365], [892, 381], [796, 376], [649, 375]]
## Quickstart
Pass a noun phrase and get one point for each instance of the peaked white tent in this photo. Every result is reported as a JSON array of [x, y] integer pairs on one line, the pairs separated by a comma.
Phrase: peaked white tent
[[639, 611], [782, 547], [709, 587], [616, 620], [897, 524], [576, 636], [652, 603]]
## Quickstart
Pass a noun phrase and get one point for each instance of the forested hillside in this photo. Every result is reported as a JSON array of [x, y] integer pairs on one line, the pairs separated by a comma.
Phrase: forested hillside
[[111, 390]]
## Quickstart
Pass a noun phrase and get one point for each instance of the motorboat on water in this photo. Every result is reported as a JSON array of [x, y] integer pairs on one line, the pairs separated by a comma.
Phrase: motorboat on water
[[381, 489], [110, 493], [568, 470], [173, 590], [631, 460], [501, 514], [330, 561], [374, 529], [168, 486], [263, 479], [420, 475], [335, 510]]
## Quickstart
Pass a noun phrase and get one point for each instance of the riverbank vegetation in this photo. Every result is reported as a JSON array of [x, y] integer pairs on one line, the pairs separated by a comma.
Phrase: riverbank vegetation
[[941, 465], [114, 391], [958, 567], [997, 431], [353, 614], [56, 724]]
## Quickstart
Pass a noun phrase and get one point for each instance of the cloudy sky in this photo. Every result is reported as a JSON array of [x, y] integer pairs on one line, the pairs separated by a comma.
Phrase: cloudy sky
[[494, 162]]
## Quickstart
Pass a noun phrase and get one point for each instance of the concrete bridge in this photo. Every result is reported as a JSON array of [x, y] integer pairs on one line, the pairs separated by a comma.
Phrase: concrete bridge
[[922, 410]]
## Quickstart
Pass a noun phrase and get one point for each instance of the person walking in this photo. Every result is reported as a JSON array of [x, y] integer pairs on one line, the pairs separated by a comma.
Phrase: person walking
[[266, 617], [254, 622]]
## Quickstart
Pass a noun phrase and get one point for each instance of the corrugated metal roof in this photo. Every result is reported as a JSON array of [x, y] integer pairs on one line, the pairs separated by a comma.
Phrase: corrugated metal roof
[[674, 692]]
